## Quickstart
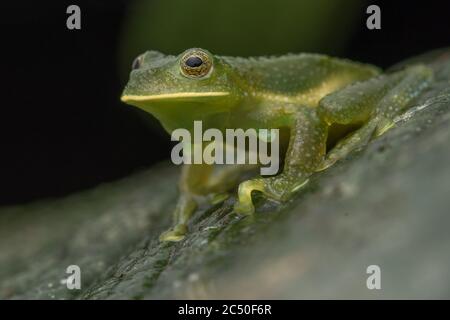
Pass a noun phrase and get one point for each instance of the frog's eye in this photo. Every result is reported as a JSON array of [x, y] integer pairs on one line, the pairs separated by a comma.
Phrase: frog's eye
[[137, 63], [196, 64]]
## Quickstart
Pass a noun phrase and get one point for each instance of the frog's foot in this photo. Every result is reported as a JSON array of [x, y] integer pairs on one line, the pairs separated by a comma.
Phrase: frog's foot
[[383, 98], [279, 188], [361, 137], [186, 206], [244, 205], [175, 234]]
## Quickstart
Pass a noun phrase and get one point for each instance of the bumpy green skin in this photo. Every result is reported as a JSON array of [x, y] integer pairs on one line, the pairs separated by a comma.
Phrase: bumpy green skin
[[314, 97]]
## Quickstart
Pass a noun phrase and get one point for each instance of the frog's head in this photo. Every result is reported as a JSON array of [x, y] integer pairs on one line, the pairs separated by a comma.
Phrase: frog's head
[[177, 90]]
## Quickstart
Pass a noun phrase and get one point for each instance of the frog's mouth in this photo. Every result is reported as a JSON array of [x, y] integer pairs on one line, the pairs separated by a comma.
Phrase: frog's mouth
[[180, 110], [171, 96]]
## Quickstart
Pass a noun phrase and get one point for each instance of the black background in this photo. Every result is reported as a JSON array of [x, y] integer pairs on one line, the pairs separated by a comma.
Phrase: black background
[[63, 127]]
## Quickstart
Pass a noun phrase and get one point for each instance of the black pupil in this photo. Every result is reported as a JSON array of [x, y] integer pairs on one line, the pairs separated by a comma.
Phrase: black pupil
[[194, 62]]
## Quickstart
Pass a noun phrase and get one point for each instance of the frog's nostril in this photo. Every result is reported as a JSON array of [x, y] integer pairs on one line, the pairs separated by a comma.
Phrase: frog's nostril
[[194, 62]]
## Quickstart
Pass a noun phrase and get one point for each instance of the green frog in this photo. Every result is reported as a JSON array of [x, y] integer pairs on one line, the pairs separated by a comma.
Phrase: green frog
[[326, 106]]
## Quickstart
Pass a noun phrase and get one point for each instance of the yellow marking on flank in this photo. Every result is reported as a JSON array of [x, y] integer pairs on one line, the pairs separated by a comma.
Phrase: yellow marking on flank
[[172, 96], [312, 96]]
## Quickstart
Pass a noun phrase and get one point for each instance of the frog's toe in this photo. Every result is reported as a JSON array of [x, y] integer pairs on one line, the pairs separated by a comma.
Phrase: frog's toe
[[327, 162], [339, 152], [383, 126], [354, 141], [176, 234]]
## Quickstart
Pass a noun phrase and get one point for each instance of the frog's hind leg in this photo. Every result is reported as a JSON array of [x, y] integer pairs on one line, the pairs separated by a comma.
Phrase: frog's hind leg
[[375, 102]]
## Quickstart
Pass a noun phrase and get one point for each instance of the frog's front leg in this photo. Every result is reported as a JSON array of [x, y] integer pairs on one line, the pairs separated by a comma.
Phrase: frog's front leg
[[306, 150], [373, 103], [202, 183], [193, 179]]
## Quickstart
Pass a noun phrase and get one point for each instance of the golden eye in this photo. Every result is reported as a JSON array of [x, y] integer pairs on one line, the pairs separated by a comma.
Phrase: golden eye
[[196, 64]]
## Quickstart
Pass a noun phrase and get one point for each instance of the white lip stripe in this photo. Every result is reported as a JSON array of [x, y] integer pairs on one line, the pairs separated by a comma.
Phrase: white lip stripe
[[173, 95]]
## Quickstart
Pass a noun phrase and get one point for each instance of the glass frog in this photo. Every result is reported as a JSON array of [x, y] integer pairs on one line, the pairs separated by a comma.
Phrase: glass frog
[[328, 107]]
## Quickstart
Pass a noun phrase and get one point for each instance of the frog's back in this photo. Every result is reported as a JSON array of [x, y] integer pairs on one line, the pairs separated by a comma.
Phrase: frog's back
[[302, 78]]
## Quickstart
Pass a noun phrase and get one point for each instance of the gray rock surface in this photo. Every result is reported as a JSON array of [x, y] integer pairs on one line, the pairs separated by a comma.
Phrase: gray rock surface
[[387, 205]]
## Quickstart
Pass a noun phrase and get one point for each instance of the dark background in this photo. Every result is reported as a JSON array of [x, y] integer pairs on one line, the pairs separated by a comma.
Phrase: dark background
[[63, 127]]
